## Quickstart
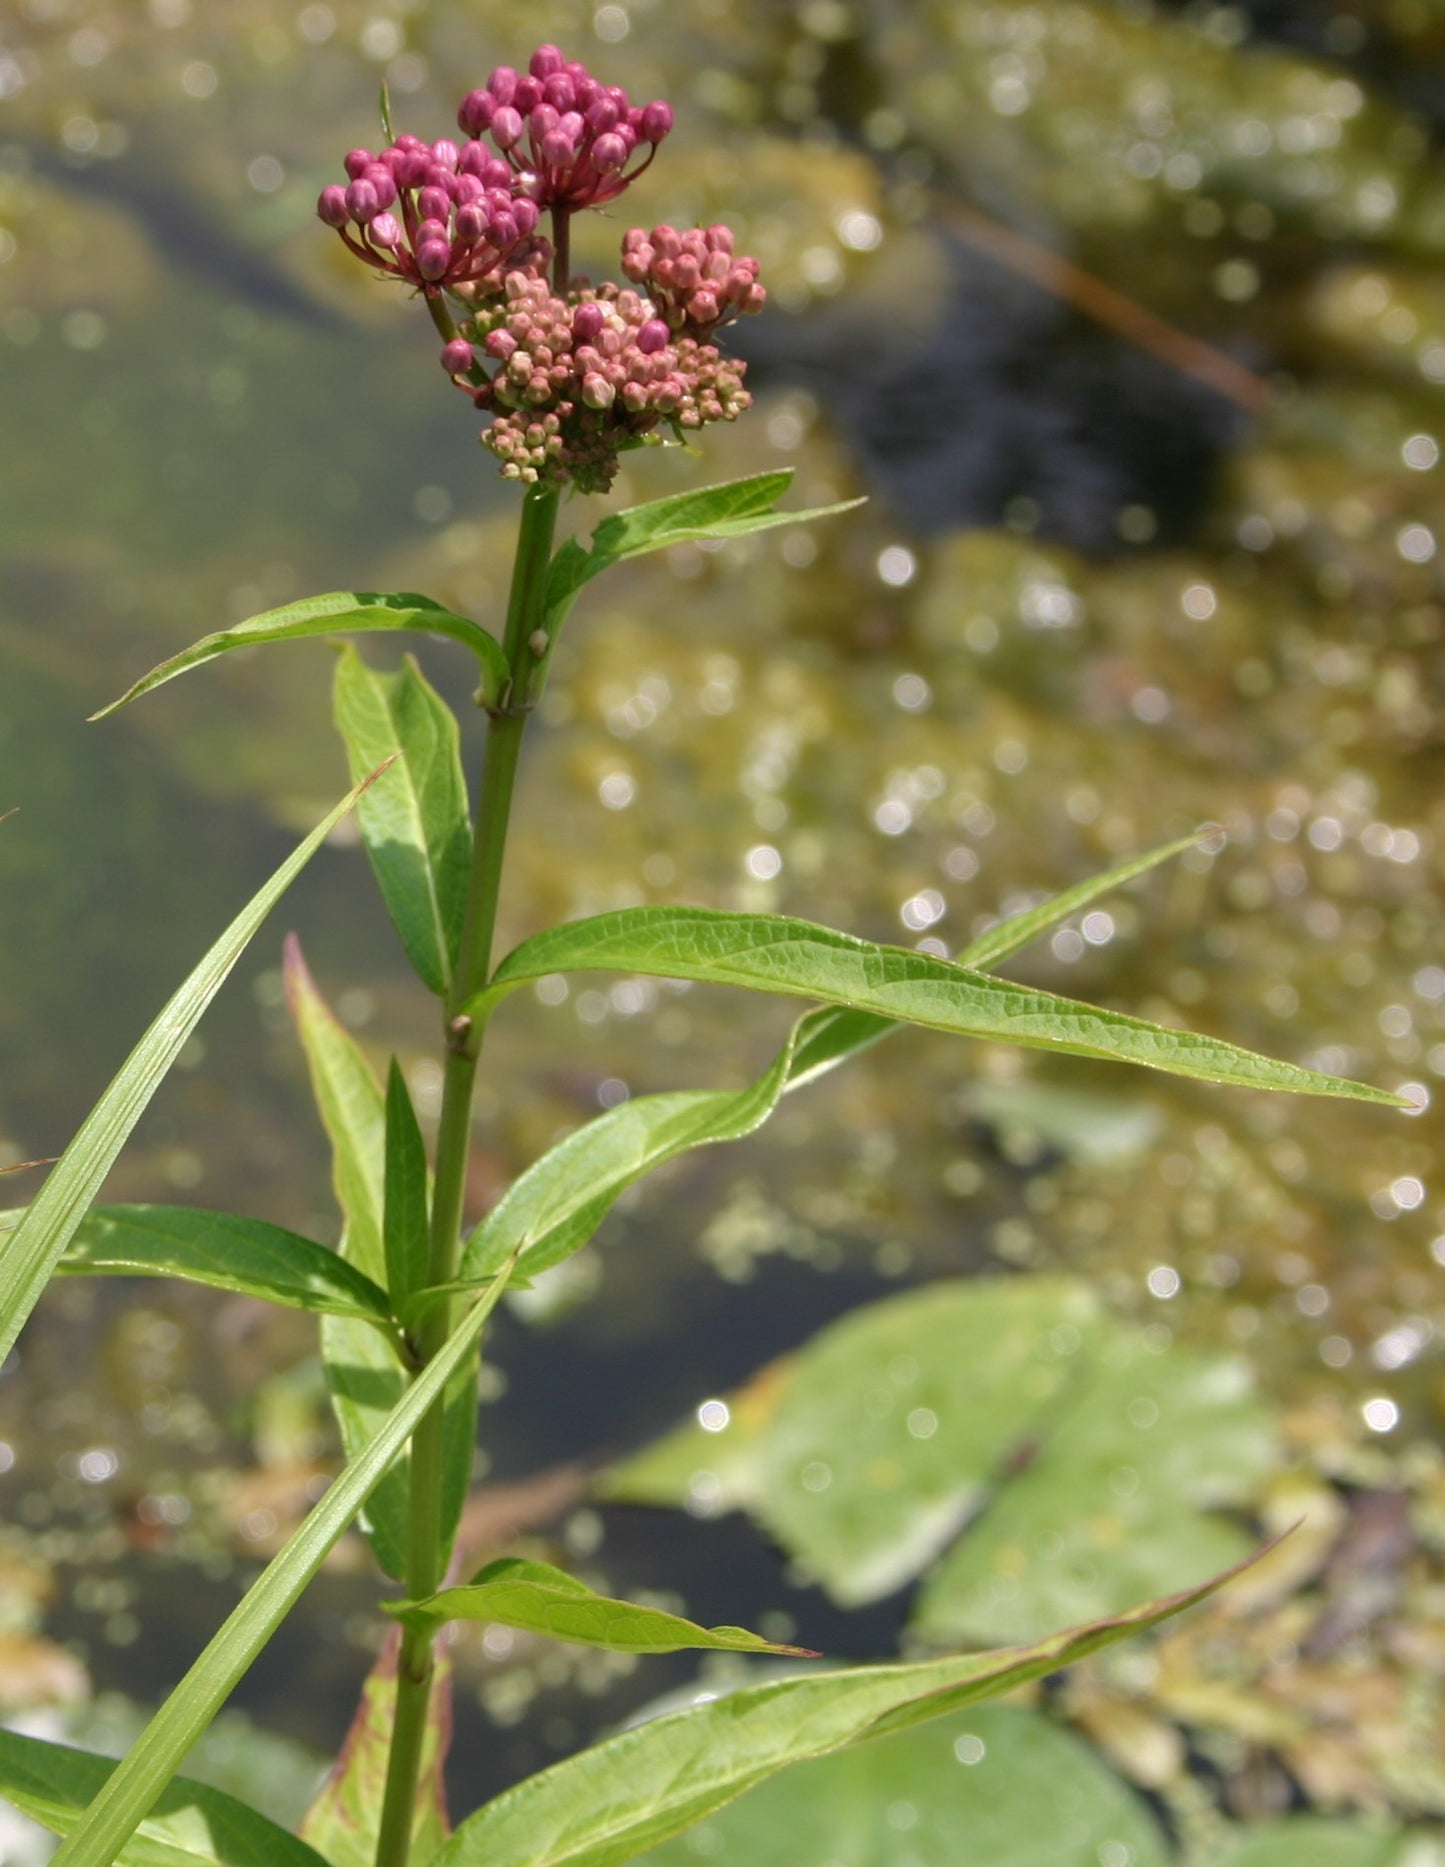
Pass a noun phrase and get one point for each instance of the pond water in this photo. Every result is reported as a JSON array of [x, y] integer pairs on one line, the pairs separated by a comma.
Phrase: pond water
[[1139, 555]]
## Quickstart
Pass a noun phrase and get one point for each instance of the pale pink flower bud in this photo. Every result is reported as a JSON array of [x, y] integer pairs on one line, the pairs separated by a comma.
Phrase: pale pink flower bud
[[501, 344], [457, 357], [702, 308], [720, 238], [609, 153], [385, 231], [597, 392], [331, 206], [506, 127]]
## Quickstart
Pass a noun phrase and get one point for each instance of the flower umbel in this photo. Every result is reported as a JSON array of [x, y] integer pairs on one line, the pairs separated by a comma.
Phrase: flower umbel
[[567, 137], [571, 374]]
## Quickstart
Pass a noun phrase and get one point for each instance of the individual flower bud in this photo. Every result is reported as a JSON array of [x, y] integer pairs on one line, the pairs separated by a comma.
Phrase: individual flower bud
[[526, 214], [702, 307], [386, 231], [445, 153], [597, 392], [609, 153], [475, 112], [657, 121], [587, 321], [471, 223], [653, 336], [411, 171], [557, 149], [383, 181], [546, 61], [361, 202], [332, 208], [358, 162], [506, 127], [585, 87], [501, 345], [457, 357], [686, 274], [602, 116], [560, 92], [432, 258], [527, 95], [434, 204], [543, 120], [503, 232], [503, 84]]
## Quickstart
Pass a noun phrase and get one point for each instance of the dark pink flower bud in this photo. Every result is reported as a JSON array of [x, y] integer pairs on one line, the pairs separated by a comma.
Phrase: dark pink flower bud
[[385, 231], [506, 127], [602, 116], [383, 181], [358, 162], [585, 87], [432, 258], [557, 149], [501, 345], [331, 206], [475, 112], [609, 153], [543, 120], [361, 202], [445, 153], [546, 61], [411, 171], [434, 204], [587, 321], [438, 176], [560, 92], [653, 336], [502, 232], [527, 95], [657, 121], [431, 230], [618, 96], [526, 214], [503, 84], [471, 224], [457, 357], [467, 190]]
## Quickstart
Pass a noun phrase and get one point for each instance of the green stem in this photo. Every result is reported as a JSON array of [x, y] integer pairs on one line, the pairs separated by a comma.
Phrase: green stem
[[426, 1553]]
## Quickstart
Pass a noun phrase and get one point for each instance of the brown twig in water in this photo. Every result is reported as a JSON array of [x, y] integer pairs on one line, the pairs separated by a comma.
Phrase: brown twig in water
[[1191, 356]]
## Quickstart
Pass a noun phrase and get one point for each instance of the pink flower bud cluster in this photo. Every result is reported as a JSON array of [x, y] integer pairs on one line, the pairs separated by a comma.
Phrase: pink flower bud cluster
[[693, 278], [566, 136], [579, 379], [440, 217]]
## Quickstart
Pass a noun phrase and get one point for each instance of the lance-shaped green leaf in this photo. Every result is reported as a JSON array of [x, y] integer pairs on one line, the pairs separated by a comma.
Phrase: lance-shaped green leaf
[[404, 1228], [730, 510], [614, 1801], [415, 824], [345, 1819], [226, 1251], [138, 1781], [33, 1249], [1029, 1794], [340, 612], [556, 1206], [542, 1600], [189, 1826], [772, 953], [363, 1374]]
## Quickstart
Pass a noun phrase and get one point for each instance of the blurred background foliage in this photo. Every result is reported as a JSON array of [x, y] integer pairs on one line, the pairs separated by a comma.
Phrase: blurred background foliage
[[1130, 319]]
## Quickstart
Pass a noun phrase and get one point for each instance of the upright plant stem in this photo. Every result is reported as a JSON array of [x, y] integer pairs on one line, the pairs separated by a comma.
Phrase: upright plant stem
[[426, 1556]]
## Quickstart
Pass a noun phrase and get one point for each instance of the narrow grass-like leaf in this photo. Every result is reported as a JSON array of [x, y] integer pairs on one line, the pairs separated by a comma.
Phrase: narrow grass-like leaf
[[345, 1819], [612, 1802], [190, 1824], [542, 1600], [32, 1251], [364, 1376], [771, 953], [415, 825], [729, 510], [139, 1780], [340, 612], [223, 1250], [405, 1222]]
